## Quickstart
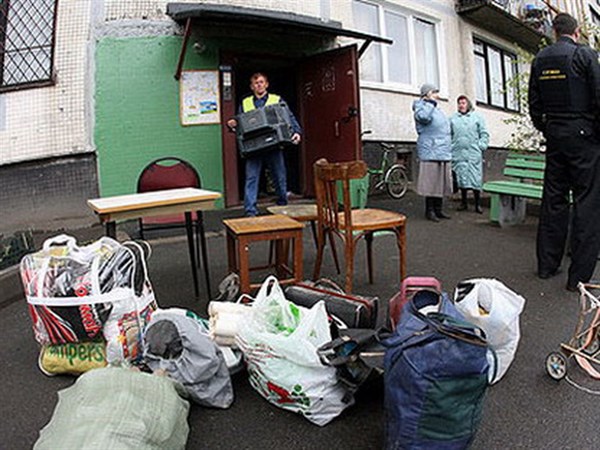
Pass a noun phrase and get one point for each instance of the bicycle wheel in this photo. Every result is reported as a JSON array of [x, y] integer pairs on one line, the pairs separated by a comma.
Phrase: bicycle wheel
[[396, 181]]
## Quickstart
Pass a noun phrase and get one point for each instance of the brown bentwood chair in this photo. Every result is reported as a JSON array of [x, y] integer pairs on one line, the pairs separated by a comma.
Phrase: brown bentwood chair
[[337, 216]]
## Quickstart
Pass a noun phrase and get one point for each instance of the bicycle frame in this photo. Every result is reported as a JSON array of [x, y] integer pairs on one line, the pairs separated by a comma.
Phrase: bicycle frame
[[390, 176]]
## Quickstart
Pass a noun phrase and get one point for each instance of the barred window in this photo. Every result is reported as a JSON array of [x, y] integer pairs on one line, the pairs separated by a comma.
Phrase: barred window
[[27, 33]]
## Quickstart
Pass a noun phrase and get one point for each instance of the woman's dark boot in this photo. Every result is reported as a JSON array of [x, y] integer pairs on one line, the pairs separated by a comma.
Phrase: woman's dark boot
[[463, 200], [438, 202], [477, 196], [430, 209]]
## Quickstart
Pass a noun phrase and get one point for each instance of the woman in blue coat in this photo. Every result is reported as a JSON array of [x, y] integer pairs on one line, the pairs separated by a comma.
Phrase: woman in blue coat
[[469, 140], [434, 151]]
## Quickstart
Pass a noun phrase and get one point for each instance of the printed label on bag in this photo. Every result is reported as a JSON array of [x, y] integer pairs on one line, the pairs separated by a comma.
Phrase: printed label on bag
[[294, 399], [296, 396], [73, 358], [78, 352]]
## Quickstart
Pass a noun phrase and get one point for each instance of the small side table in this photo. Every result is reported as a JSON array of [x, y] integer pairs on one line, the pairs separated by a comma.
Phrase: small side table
[[279, 228]]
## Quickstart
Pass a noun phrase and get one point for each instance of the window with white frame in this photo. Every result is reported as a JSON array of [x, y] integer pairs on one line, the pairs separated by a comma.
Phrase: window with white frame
[[413, 58], [27, 30], [495, 69]]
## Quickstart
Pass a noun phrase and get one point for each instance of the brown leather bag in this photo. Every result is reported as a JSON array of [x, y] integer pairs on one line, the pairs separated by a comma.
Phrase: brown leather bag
[[354, 310]]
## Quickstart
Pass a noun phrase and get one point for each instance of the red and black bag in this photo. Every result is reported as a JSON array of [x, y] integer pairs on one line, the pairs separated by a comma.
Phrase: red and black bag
[[354, 310]]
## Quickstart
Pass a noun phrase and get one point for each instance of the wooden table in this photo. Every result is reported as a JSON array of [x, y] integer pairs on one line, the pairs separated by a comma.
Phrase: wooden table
[[156, 203], [279, 228]]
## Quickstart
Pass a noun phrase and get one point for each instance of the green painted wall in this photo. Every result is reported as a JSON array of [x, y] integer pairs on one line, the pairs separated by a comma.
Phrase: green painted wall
[[137, 112]]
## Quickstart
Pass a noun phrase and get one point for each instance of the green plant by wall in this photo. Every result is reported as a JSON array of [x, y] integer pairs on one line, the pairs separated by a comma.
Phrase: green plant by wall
[[524, 137]]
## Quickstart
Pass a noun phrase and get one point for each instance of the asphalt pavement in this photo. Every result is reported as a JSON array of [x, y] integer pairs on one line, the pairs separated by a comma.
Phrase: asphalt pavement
[[526, 409]]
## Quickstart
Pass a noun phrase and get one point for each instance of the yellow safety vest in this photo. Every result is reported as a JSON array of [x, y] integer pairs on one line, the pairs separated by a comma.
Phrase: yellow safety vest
[[248, 102]]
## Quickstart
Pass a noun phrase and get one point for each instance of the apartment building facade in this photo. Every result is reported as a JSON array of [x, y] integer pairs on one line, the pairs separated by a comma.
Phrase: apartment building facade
[[91, 91]]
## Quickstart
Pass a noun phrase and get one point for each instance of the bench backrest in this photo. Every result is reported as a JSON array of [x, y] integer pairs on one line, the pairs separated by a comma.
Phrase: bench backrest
[[531, 156], [525, 167]]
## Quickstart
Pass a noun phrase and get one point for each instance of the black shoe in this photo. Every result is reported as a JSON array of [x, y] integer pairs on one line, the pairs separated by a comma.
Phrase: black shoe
[[478, 209], [569, 287], [438, 204], [430, 215], [545, 274]]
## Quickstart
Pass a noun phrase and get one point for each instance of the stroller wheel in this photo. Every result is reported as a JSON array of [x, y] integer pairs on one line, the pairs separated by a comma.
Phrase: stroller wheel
[[556, 366]]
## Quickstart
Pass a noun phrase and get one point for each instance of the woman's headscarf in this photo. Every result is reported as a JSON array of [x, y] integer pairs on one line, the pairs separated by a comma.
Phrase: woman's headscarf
[[469, 103]]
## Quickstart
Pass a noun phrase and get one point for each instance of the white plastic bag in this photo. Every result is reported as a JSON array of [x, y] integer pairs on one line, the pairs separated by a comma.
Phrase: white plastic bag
[[495, 308], [279, 342]]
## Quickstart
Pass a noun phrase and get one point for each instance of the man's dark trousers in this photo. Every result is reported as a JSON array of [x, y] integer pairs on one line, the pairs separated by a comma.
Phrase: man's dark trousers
[[572, 163], [276, 163]]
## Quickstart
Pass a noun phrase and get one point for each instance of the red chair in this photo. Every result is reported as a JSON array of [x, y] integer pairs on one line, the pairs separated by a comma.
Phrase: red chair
[[171, 173]]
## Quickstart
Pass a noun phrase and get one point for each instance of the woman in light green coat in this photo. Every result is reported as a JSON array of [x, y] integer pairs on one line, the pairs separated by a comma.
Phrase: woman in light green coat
[[469, 140]]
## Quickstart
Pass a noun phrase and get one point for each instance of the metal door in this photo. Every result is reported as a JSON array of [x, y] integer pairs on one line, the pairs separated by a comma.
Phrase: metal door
[[329, 105]]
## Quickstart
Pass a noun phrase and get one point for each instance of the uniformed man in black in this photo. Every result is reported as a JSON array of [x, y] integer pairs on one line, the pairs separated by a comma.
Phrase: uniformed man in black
[[564, 99]]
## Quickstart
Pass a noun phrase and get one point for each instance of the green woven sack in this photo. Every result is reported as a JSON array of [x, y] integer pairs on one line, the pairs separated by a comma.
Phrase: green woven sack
[[118, 409]]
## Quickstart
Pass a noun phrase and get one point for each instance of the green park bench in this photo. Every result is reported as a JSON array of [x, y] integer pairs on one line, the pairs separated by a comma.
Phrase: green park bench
[[525, 175]]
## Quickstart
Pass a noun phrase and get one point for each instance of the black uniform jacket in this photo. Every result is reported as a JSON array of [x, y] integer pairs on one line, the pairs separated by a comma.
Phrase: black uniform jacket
[[564, 83]]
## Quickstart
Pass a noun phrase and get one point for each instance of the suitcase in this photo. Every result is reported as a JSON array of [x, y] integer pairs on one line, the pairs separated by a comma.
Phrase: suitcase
[[409, 286], [354, 310]]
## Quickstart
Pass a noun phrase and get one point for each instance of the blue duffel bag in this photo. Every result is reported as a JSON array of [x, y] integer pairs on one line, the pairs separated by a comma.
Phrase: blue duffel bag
[[436, 374]]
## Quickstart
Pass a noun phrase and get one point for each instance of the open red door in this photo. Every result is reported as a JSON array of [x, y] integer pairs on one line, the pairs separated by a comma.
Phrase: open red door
[[329, 105]]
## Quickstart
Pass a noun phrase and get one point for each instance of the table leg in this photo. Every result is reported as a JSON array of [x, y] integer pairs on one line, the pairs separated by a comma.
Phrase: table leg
[[402, 251], [281, 257], [244, 265], [190, 237], [202, 237], [232, 265], [298, 269], [111, 229]]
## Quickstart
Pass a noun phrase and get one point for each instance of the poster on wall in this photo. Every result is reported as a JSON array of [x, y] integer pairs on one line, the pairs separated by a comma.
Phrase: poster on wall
[[199, 97]]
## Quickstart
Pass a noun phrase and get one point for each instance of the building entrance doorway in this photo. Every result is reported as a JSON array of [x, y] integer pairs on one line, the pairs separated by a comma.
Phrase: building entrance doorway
[[322, 92]]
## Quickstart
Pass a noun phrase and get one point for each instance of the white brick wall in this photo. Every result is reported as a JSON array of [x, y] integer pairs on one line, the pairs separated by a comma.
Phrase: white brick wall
[[51, 121], [136, 9]]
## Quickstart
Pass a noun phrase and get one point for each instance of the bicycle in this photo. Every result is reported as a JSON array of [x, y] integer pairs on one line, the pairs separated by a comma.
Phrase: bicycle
[[393, 178]]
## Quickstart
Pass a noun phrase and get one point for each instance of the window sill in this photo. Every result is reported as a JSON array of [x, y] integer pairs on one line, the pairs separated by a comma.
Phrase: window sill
[[497, 108], [389, 87], [395, 88], [25, 86]]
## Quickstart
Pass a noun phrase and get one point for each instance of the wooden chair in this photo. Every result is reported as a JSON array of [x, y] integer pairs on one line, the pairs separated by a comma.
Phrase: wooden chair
[[170, 173], [337, 216]]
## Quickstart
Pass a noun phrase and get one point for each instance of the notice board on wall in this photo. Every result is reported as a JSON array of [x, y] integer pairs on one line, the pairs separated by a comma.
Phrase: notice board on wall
[[199, 97]]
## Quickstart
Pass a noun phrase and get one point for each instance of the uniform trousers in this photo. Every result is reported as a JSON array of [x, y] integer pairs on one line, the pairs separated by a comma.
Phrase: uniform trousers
[[572, 165]]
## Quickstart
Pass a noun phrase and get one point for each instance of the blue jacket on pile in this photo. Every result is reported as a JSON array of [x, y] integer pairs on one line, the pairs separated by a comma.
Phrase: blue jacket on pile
[[433, 127]]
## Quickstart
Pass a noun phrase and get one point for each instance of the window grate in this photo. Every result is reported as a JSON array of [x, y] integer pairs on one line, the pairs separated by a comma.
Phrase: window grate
[[27, 34]]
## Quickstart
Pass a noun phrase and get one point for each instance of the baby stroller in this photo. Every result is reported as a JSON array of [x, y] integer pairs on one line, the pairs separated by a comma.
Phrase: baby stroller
[[584, 345]]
